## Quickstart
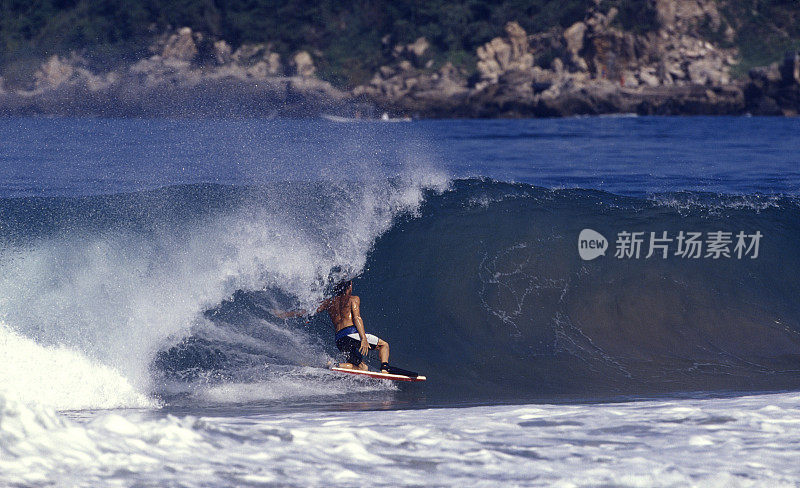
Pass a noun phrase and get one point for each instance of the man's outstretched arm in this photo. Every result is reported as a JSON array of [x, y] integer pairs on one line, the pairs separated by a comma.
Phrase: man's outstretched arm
[[284, 314]]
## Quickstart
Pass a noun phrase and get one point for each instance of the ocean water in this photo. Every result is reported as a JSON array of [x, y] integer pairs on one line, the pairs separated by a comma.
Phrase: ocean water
[[140, 261]]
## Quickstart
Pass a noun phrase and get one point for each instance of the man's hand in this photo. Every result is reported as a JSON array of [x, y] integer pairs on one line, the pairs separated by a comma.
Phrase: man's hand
[[364, 349], [281, 314]]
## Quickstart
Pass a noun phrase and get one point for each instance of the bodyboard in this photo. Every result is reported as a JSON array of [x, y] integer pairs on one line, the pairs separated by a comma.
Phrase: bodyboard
[[393, 376]]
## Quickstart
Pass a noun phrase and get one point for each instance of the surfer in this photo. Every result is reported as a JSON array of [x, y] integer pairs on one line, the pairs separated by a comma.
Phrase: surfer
[[343, 309]]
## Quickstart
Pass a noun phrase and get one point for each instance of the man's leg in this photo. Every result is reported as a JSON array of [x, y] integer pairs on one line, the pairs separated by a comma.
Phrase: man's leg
[[383, 352], [354, 358]]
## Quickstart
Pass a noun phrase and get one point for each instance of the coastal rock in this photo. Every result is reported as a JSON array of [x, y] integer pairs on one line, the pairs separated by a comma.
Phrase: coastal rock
[[699, 72], [403, 88], [303, 64], [274, 66], [591, 67], [518, 39], [190, 74], [268, 66], [765, 74], [410, 85], [574, 37], [250, 54], [258, 71], [790, 69], [501, 55], [53, 73], [157, 70], [492, 57], [415, 53], [180, 46], [59, 73], [222, 52], [775, 89], [419, 47], [687, 100], [682, 16], [649, 78]]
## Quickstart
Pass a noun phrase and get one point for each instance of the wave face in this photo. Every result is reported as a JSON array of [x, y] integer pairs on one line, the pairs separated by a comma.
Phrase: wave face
[[486, 292], [167, 294]]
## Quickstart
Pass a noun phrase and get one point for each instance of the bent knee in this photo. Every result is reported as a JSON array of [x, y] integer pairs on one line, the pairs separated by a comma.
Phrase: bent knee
[[382, 343]]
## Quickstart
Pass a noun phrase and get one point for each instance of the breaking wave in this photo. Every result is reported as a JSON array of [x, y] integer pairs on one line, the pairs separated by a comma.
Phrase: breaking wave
[[140, 298]]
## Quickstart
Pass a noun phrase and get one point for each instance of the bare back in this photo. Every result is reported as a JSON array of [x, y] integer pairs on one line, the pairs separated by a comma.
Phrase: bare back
[[341, 311]]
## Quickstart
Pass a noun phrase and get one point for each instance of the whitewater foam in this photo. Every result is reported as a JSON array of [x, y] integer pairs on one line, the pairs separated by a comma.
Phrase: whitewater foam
[[291, 385], [690, 442], [685, 202], [116, 294], [60, 377]]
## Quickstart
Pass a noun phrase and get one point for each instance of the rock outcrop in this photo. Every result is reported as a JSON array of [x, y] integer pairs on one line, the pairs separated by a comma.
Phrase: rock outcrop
[[409, 85], [303, 64], [775, 89], [188, 74], [181, 46], [591, 67], [504, 55]]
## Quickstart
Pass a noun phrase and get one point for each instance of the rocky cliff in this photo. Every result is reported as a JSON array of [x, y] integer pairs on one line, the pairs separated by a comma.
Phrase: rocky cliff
[[590, 67], [775, 89], [188, 74]]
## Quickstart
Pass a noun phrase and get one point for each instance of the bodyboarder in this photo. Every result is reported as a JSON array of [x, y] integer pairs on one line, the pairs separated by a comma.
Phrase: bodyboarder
[[351, 338]]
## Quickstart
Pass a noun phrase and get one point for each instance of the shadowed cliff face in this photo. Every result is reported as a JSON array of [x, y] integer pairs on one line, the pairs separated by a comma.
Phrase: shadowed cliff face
[[775, 89], [593, 66]]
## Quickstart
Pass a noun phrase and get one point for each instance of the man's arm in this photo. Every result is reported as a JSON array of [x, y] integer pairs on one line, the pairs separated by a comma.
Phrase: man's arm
[[283, 314], [355, 303]]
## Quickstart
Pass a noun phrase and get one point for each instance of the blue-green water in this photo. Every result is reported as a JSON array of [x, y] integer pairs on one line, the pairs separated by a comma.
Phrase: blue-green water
[[141, 260]]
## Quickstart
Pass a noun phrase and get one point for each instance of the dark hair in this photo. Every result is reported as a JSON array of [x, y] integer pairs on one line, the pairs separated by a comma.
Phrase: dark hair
[[341, 287]]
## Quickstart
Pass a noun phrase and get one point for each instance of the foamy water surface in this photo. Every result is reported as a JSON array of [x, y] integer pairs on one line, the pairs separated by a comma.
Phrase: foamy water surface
[[746, 441]]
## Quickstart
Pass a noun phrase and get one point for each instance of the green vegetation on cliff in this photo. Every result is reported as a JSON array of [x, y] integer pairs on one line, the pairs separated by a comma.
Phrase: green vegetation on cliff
[[347, 35], [349, 40], [765, 29]]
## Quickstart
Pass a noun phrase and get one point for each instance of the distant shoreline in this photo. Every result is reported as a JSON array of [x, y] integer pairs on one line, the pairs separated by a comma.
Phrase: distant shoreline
[[590, 68], [270, 99]]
